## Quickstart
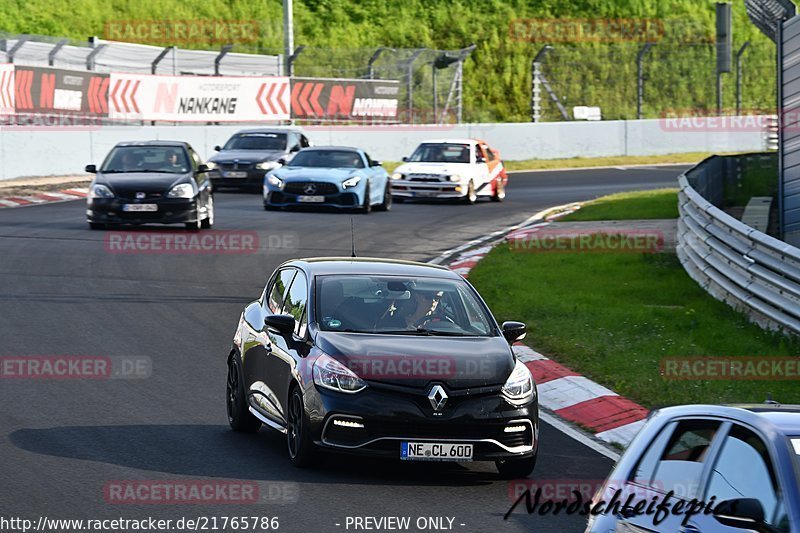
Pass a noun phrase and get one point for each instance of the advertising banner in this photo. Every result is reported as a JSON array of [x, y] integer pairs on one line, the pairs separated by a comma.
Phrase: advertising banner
[[55, 91], [198, 98], [6, 89], [344, 99]]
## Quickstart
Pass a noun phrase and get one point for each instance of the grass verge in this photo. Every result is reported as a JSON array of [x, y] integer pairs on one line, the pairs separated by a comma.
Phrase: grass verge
[[642, 205], [616, 317]]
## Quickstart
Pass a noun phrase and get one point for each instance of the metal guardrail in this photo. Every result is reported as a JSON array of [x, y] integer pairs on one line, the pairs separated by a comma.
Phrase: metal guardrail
[[735, 263]]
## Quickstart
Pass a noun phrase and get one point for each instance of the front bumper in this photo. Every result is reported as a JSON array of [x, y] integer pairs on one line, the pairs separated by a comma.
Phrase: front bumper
[[344, 200], [391, 417], [170, 211], [253, 179], [425, 190]]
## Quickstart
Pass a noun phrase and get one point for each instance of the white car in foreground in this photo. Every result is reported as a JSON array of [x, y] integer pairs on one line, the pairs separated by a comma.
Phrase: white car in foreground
[[463, 169]]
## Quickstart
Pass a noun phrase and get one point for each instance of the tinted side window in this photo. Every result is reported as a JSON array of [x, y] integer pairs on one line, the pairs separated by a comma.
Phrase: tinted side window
[[277, 291], [743, 469], [304, 141], [295, 303], [643, 473], [681, 465], [489, 153]]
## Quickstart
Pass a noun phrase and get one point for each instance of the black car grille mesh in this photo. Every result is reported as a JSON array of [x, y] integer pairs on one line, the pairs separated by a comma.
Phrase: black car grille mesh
[[234, 166], [304, 187]]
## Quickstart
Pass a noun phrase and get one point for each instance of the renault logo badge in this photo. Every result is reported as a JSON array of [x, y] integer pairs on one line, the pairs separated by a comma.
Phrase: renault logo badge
[[438, 397]]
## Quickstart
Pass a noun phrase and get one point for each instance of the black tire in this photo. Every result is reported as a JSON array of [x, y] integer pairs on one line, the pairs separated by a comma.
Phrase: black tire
[[499, 192], [386, 205], [298, 441], [239, 416], [96, 225], [208, 222], [471, 197], [516, 468], [366, 208]]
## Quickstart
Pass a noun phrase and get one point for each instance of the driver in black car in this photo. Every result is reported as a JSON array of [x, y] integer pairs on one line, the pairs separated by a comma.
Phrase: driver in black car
[[415, 312]]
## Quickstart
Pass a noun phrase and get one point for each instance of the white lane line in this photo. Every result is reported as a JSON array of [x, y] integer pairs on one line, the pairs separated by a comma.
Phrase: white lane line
[[568, 430], [8, 203], [570, 390]]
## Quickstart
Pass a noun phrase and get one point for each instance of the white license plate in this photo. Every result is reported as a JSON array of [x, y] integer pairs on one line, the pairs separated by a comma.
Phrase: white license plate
[[311, 199], [435, 451], [235, 174], [140, 207]]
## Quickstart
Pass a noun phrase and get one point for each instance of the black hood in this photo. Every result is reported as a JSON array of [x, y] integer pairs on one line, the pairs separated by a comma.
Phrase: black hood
[[247, 156], [147, 182], [415, 361]]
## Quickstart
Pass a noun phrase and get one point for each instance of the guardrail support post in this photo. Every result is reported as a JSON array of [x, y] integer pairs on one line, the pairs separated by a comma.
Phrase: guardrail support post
[[640, 78], [17, 45], [291, 59], [159, 57], [222, 53], [51, 55], [90, 59]]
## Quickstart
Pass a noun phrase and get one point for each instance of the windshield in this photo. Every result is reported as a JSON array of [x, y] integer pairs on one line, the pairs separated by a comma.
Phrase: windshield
[[402, 306], [257, 141], [327, 159], [169, 159], [441, 153]]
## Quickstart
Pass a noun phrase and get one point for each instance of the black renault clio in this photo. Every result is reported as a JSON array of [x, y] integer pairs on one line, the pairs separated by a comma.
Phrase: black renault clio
[[382, 357]]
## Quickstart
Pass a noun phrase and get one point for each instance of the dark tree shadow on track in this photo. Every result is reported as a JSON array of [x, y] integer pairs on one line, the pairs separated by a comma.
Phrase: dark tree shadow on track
[[216, 451]]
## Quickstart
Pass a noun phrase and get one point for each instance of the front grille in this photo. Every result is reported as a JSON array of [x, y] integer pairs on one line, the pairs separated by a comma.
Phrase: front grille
[[131, 195], [321, 188], [234, 166], [427, 177]]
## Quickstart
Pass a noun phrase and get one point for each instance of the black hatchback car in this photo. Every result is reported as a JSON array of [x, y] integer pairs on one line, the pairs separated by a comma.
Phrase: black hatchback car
[[387, 358], [162, 182]]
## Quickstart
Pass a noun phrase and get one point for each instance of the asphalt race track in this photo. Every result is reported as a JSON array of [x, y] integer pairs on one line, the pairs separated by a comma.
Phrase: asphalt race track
[[64, 293]]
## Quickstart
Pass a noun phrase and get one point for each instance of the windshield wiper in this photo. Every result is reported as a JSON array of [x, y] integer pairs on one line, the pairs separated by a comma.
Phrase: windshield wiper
[[427, 331]]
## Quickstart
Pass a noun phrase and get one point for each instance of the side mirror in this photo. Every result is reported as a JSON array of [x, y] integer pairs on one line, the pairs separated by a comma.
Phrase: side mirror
[[92, 169], [283, 324], [202, 167], [217, 148], [282, 161], [376, 163], [295, 148], [513, 331], [741, 513], [405, 159]]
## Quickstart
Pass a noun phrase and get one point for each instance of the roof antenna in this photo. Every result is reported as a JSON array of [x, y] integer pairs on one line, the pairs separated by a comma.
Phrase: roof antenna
[[352, 239]]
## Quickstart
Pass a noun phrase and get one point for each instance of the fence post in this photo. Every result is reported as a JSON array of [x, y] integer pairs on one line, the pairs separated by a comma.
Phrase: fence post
[[739, 77], [51, 55], [222, 53], [640, 78]]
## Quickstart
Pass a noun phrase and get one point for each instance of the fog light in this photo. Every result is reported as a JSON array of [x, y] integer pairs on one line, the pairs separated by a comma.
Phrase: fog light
[[514, 429], [458, 188], [348, 424]]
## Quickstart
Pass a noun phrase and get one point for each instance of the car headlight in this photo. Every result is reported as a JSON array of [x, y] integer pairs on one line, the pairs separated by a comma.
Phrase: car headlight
[[211, 165], [351, 182], [519, 388], [100, 191], [331, 374], [267, 165], [455, 177], [275, 181], [183, 190], [398, 176]]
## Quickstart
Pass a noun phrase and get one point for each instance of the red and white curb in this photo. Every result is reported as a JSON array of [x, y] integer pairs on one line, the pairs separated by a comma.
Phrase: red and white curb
[[562, 391], [66, 195]]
